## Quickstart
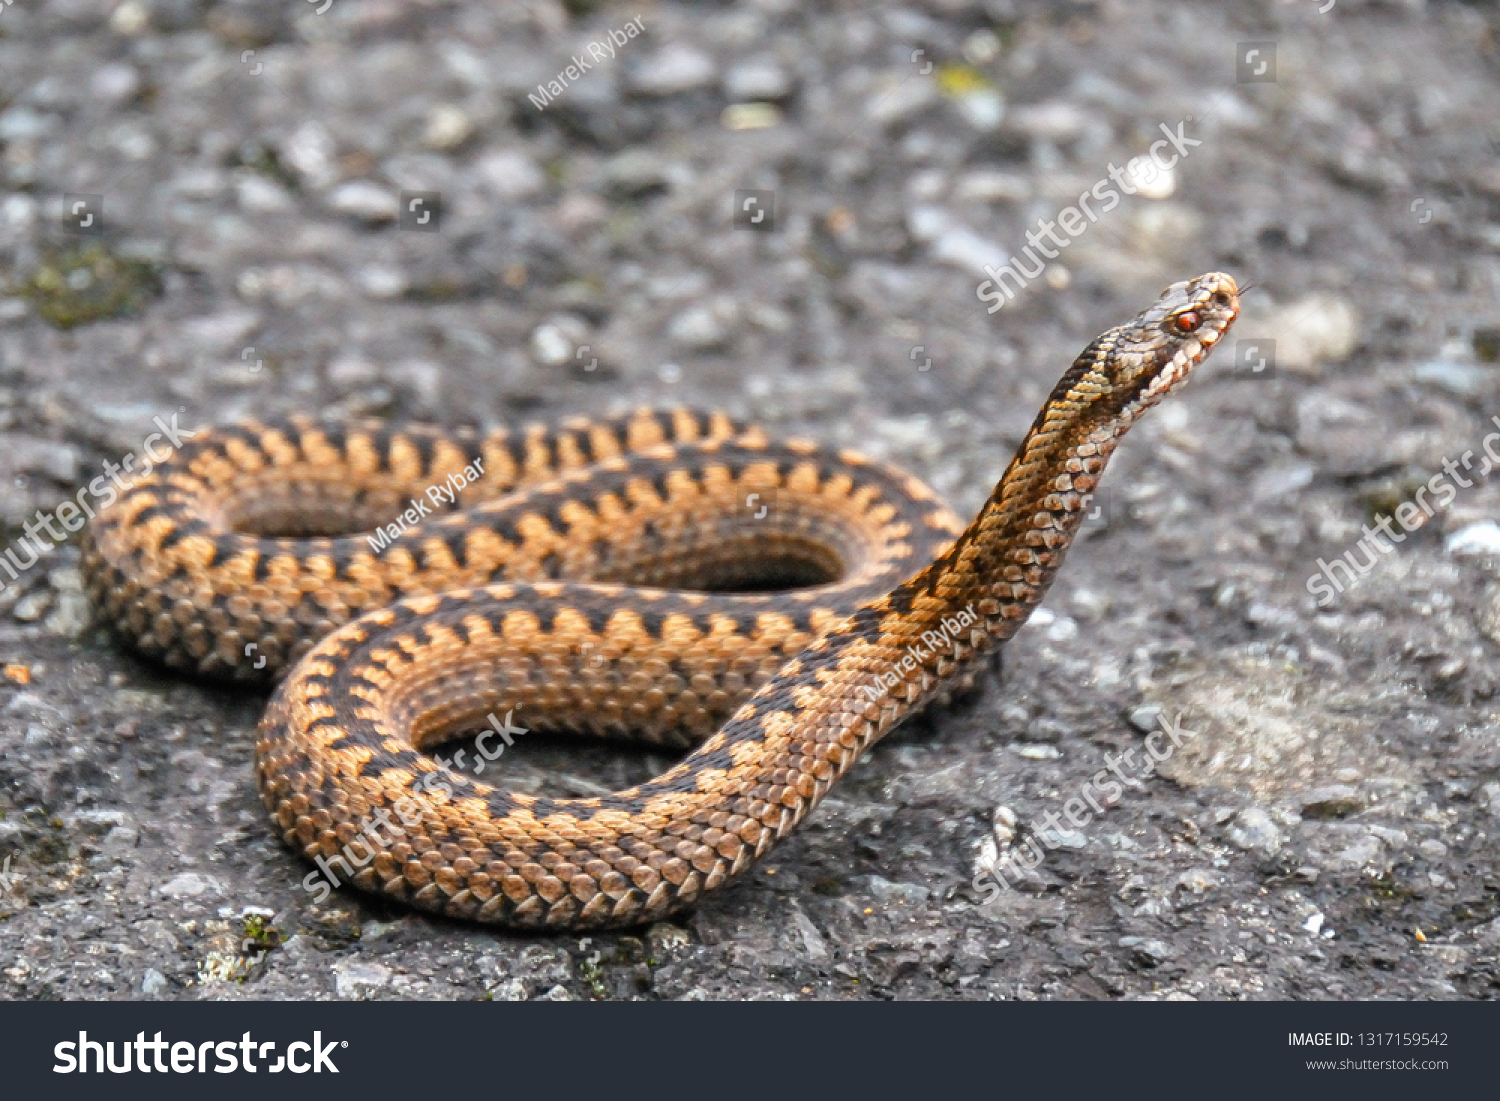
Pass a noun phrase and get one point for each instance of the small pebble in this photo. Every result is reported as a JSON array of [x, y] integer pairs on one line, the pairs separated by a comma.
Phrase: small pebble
[[750, 116], [1466, 380], [757, 79], [258, 195], [352, 371], [1333, 801], [1314, 330], [1198, 881], [311, 150], [130, 18], [635, 174], [32, 606], [1004, 825], [989, 186], [71, 615], [510, 175], [558, 340], [909, 894], [153, 982], [365, 200], [967, 250], [1253, 829], [380, 281], [115, 82], [1488, 797], [1148, 951], [898, 99], [448, 126], [1066, 838], [1482, 538], [674, 68], [704, 328], [355, 978], [1364, 852]]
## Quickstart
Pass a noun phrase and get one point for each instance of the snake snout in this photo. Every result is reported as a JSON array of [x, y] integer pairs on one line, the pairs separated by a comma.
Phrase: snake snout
[[1156, 352], [1216, 298]]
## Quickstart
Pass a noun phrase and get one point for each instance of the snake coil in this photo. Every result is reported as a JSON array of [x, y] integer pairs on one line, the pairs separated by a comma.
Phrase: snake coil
[[577, 576]]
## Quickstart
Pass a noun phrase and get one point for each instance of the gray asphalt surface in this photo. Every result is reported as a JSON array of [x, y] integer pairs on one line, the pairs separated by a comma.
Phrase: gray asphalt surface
[[1327, 831]]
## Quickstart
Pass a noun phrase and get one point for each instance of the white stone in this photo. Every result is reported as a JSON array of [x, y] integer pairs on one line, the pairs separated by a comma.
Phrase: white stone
[[988, 186], [220, 331], [1316, 329], [24, 124], [354, 978], [704, 327], [130, 18], [963, 248], [1253, 829], [19, 212], [190, 885], [559, 339], [983, 108], [1480, 538], [381, 281], [365, 200], [510, 175], [350, 371], [1150, 179], [115, 82], [1064, 629], [1055, 121], [897, 98], [311, 151], [750, 116], [448, 127], [757, 78], [676, 67], [258, 195]]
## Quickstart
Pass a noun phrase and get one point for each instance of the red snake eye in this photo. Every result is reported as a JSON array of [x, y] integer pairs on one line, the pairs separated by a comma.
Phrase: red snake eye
[[1187, 322]]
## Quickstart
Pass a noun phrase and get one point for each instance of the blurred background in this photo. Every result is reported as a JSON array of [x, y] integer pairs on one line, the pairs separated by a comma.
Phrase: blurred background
[[485, 213]]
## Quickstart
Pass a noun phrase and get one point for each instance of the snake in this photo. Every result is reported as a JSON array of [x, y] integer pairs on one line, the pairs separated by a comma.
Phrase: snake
[[668, 576]]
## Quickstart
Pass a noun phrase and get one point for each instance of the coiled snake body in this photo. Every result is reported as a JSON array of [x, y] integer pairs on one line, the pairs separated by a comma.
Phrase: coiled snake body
[[566, 577]]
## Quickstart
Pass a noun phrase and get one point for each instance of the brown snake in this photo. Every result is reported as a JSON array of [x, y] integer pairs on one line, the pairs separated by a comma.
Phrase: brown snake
[[234, 559]]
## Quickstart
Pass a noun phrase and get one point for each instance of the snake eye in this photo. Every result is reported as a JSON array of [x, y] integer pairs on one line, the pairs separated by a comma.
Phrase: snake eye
[[1187, 322]]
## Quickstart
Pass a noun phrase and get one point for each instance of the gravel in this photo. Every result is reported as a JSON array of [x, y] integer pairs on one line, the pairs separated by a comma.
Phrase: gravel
[[260, 254]]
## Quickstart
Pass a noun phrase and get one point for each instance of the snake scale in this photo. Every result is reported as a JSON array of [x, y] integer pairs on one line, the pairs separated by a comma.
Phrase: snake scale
[[668, 576]]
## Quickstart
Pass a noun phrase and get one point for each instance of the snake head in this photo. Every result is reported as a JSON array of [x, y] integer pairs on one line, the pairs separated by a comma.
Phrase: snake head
[[1145, 359]]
